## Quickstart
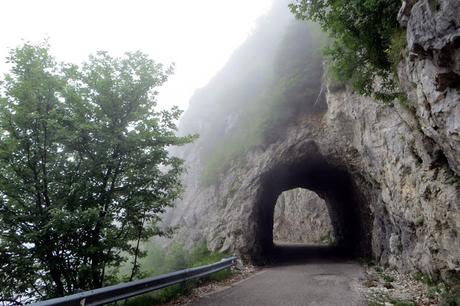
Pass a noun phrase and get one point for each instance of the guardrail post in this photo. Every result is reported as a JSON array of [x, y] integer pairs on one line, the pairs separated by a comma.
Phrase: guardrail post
[[183, 283]]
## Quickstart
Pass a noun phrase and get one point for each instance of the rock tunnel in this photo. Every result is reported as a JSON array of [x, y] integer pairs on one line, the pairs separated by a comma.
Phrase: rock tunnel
[[346, 204]]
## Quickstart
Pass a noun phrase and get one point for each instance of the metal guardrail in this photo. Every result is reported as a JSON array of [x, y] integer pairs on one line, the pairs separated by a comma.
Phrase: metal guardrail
[[123, 291]]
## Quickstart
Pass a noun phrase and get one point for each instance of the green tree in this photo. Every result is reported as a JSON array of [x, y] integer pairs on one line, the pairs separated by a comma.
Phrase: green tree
[[84, 168], [362, 32]]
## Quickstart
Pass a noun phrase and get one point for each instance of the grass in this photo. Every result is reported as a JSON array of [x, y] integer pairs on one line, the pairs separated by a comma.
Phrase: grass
[[160, 296], [170, 293], [449, 290], [327, 238], [424, 278], [174, 258], [451, 298], [444, 292], [382, 300], [388, 278]]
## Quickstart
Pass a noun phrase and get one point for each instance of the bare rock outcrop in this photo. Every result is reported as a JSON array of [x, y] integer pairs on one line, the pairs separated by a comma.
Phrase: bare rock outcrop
[[389, 175], [430, 75], [301, 216]]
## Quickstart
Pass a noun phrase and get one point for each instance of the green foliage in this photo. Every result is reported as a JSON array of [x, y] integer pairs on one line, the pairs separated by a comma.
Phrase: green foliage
[[84, 169], [327, 238], [388, 278], [173, 258], [395, 51], [396, 302], [448, 289], [384, 299], [451, 298], [424, 278], [161, 296], [365, 41]]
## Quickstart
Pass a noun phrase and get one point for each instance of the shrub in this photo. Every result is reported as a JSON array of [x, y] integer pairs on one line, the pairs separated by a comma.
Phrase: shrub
[[173, 258], [365, 41]]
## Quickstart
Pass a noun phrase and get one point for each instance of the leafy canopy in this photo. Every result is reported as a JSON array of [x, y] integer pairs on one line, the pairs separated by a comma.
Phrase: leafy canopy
[[84, 168], [363, 32]]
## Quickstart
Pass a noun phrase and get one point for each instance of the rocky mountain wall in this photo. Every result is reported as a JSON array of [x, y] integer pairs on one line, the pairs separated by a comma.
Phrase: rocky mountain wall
[[301, 216], [389, 175]]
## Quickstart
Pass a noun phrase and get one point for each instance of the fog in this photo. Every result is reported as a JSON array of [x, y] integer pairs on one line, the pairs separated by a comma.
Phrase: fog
[[198, 36], [269, 81], [250, 71]]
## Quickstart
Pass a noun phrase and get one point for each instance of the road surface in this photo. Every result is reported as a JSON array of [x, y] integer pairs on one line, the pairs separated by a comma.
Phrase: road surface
[[321, 282]]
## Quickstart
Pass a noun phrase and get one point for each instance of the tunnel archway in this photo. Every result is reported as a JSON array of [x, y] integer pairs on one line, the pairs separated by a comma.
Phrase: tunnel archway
[[348, 210]]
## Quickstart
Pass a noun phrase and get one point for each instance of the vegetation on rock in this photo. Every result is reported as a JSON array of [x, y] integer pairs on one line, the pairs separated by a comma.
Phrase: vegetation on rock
[[160, 260], [266, 97], [366, 41]]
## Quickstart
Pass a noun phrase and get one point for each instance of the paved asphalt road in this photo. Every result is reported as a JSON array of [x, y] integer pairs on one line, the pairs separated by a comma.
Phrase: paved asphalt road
[[318, 282]]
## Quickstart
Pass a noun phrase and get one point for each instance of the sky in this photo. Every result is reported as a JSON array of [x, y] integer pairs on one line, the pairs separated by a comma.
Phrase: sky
[[199, 36]]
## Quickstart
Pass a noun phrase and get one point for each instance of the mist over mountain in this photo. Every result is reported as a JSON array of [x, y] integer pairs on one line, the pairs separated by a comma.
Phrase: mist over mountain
[[269, 81], [313, 152], [374, 148]]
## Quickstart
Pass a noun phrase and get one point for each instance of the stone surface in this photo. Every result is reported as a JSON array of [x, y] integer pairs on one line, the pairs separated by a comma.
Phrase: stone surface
[[414, 204], [389, 175], [383, 286], [301, 216], [432, 75]]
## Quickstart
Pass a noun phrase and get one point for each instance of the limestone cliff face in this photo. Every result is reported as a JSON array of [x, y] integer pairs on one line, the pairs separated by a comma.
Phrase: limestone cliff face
[[301, 216], [389, 175], [431, 72]]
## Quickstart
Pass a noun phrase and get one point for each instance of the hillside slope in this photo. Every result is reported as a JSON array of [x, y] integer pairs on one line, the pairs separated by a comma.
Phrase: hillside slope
[[389, 174]]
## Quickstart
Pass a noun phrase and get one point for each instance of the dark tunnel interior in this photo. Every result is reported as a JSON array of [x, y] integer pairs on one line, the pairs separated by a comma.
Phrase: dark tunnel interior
[[347, 208]]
